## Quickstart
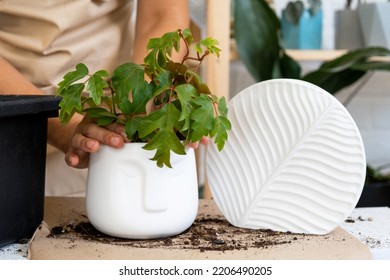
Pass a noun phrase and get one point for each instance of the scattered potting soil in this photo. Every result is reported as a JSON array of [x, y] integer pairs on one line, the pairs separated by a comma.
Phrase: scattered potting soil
[[206, 234]]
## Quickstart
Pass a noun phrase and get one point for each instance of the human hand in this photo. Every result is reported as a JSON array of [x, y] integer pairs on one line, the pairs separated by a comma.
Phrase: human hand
[[204, 141], [88, 137]]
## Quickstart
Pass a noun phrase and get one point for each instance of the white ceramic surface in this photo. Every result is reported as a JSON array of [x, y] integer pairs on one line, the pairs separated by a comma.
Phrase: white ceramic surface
[[129, 196], [294, 160]]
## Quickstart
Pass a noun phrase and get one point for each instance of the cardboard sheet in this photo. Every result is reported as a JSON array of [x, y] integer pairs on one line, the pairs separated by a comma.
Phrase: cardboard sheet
[[67, 234]]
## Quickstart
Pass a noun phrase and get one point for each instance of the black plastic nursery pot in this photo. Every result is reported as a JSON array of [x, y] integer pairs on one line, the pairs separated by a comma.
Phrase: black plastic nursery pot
[[23, 137], [375, 194]]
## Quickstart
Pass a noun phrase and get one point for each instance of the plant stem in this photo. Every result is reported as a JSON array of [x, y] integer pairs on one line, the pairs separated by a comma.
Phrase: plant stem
[[113, 103], [171, 91], [187, 49], [187, 55], [215, 106], [199, 58]]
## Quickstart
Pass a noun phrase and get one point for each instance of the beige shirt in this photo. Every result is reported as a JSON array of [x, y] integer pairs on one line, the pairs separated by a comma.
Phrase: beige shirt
[[44, 39]]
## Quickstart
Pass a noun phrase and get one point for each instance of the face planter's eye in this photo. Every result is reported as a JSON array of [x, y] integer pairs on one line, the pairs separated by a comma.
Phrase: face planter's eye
[[177, 171], [177, 166], [133, 170]]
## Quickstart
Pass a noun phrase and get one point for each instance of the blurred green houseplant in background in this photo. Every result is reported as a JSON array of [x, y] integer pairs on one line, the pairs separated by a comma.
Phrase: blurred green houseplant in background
[[257, 33]]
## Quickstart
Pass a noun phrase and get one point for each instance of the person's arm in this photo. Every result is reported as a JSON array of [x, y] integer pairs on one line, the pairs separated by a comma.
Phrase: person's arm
[[12, 82], [81, 137], [78, 138], [156, 17]]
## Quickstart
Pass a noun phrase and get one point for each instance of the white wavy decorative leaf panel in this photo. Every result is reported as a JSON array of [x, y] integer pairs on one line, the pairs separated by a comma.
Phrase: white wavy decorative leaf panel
[[294, 160]]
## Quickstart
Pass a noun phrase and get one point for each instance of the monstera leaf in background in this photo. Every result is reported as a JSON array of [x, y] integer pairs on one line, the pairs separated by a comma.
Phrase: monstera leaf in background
[[256, 30]]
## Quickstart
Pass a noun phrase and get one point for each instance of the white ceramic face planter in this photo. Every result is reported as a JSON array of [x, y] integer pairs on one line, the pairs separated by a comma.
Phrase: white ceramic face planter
[[294, 160], [128, 196]]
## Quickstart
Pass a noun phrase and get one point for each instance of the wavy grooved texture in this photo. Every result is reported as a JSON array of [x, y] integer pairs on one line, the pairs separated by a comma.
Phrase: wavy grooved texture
[[294, 160]]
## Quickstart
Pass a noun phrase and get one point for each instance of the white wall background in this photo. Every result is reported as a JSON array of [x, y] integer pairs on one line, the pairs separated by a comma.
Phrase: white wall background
[[329, 7]]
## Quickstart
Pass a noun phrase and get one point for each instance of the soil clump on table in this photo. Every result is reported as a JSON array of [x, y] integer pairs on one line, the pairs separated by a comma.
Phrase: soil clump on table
[[206, 234]]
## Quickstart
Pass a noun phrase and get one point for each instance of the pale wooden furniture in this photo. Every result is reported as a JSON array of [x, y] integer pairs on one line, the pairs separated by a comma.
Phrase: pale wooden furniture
[[216, 69]]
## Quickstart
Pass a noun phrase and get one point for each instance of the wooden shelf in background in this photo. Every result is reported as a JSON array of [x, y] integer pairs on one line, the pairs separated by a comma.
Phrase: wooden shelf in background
[[299, 55], [315, 55], [307, 55]]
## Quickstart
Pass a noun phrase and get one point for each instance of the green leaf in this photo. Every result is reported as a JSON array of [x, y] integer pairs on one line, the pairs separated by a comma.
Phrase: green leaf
[[256, 29], [96, 85], [289, 68], [345, 70], [71, 101], [332, 82], [73, 76], [103, 116], [126, 78], [210, 44], [372, 65], [314, 6], [164, 82], [98, 112], [66, 116], [160, 49], [163, 122], [174, 91], [187, 35], [132, 126], [103, 121], [350, 58], [202, 118], [193, 77], [170, 41], [222, 107], [222, 125], [293, 11], [186, 94], [141, 96]]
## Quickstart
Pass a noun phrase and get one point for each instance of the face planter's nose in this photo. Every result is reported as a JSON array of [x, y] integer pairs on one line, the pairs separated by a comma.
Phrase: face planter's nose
[[160, 193], [146, 185], [155, 192]]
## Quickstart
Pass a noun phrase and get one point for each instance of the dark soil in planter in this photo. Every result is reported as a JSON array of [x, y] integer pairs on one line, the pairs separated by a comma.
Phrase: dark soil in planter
[[206, 234]]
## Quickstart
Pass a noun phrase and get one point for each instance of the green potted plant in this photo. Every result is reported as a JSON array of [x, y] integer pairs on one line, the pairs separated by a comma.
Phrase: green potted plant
[[257, 33], [148, 189]]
